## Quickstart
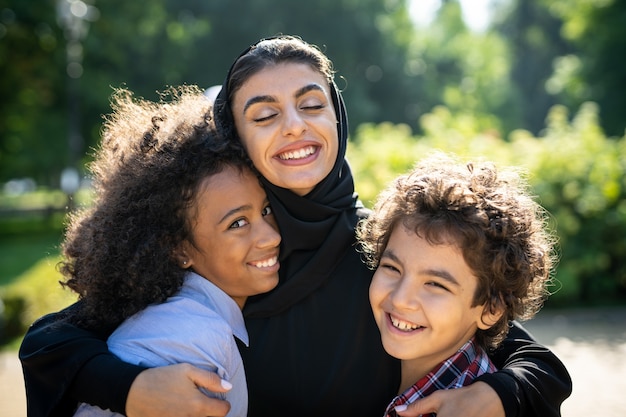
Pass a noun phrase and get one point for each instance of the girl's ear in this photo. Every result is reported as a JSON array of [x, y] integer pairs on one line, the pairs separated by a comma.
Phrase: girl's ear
[[491, 315], [181, 256]]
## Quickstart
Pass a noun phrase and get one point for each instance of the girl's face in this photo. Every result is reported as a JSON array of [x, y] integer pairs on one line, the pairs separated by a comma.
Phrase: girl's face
[[286, 121], [422, 299], [235, 234]]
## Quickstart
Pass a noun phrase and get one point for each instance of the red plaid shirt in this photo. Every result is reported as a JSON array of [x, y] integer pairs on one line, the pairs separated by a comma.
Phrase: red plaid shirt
[[459, 370]]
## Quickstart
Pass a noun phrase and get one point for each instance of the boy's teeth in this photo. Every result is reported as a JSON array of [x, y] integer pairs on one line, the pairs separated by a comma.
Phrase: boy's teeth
[[403, 325]]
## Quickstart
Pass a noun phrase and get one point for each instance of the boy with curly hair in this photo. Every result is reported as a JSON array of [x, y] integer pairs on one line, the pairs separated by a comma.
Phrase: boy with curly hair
[[179, 235], [459, 250]]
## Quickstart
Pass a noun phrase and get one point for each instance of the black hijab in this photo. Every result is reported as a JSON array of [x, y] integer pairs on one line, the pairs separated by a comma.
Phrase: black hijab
[[317, 229]]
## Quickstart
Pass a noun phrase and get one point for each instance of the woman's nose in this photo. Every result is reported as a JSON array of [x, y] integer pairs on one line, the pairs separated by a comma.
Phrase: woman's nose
[[293, 123]]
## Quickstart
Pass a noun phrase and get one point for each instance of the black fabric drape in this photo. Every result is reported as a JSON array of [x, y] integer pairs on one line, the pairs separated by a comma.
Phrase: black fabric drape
[[314, 345], [316, 229]]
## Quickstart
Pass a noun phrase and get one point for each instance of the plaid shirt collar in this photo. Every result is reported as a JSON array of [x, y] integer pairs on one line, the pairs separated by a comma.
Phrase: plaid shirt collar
[[467, 364]]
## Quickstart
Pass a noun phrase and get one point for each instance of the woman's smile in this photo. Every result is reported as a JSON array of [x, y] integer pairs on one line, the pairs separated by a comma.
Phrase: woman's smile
[[301, 154]]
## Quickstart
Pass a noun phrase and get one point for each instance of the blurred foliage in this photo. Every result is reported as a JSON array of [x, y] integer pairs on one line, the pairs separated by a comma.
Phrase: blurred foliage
[[595, 69], [55, 82], [577, 173], [33, 294], [566, 52]]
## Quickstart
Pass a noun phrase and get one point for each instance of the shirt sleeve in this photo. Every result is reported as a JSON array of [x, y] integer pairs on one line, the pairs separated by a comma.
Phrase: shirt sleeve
[[64, 365], [532, 381]]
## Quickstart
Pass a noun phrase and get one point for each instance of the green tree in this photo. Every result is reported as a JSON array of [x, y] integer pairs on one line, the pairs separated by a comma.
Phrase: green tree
[[466, 71], [595, 71], [534, 42], [147, 46], [33, 95]]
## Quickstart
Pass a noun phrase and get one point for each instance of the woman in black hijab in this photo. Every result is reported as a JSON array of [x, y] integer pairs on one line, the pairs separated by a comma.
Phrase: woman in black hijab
[[314, 346]]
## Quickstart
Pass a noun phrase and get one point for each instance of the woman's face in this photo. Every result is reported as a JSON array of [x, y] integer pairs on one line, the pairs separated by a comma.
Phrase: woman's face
[[235, 235], [286, 121]]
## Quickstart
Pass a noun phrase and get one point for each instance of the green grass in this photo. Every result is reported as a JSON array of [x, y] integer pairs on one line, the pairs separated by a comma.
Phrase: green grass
[[19, 252], [29, 287]]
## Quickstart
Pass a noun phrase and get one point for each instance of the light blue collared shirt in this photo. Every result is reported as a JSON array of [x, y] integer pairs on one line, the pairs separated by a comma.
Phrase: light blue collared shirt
[[194, 326]]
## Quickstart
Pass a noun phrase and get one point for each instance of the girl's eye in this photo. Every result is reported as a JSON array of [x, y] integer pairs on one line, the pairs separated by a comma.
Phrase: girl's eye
[[267, 211], [238, 223]]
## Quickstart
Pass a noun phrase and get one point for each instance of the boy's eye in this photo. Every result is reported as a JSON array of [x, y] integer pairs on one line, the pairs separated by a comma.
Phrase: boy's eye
[[390, 267], [267, 211], [238, 223], [437, 285]]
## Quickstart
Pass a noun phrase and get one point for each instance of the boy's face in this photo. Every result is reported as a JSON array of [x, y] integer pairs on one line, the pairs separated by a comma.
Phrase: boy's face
[[421, 297], [235, 234]]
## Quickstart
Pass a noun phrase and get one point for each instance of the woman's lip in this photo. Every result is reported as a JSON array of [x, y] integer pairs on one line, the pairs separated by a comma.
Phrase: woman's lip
[[297, 146]]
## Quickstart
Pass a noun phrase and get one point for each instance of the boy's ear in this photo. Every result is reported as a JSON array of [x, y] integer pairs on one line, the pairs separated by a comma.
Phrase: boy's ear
[[491, 315]]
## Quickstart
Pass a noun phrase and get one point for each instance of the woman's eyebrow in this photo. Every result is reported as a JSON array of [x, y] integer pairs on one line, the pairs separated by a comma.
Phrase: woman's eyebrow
[[271, 99], [309, 87], [258, 99]]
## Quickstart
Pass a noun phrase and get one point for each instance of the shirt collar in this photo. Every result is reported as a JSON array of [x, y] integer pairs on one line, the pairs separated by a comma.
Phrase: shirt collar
[[220, 302], [460, 369]]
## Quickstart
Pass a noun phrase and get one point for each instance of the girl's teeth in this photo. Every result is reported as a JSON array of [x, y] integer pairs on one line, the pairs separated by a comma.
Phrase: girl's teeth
[[267, 263]]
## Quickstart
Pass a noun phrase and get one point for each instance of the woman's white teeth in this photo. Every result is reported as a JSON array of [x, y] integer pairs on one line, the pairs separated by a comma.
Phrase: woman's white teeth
[[403, 325], [267, 263], [301, 153]]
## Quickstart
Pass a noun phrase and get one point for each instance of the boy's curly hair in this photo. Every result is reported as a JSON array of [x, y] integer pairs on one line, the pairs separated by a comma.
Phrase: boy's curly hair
[[489, 214], [119, 253]]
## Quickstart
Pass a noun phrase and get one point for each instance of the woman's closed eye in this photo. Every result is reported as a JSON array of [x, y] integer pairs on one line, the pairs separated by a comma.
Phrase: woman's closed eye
[[314, 107], [264, 117]]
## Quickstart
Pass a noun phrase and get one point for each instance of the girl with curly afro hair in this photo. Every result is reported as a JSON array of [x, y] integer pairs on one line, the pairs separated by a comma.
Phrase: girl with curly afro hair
[[460, 250], [179, 235]]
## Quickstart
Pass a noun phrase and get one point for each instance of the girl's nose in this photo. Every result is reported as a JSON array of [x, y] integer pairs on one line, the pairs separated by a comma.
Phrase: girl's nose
[[268, 235]]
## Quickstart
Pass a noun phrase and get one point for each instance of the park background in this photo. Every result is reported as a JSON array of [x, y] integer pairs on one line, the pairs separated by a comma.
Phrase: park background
[[540, 84]]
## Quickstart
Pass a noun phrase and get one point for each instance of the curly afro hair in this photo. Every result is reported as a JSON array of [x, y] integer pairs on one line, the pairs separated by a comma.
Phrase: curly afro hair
[[119, 253], [489, 214]]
